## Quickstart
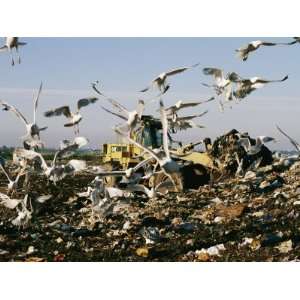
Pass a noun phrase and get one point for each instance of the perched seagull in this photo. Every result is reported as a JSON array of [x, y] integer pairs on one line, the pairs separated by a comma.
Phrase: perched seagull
[[293, 142], [10, 43], [180, 105], [12, 184], [73, 117], [243, 52], [160, 80], [167, 164], [247, 86], [222, 85], [132, 118], [32, 137], [254, 149]]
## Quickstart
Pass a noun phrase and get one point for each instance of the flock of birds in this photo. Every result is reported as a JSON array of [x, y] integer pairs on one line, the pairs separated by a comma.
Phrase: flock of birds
[[29, 160]]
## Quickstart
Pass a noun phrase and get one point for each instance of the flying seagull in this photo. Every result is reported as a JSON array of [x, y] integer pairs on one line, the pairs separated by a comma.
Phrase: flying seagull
[[244, 51], [247, 86], [10, 43], [160, 80], [32, 137], [293, 142], [73, 117], [181, 104], [132, 118], [223, 84]]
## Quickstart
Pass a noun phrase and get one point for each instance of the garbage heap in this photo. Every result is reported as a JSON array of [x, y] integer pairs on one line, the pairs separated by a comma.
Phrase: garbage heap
[[227, 153]]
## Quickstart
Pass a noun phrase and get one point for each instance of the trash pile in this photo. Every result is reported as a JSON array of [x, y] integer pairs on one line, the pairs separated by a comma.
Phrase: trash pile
[[250, 216]]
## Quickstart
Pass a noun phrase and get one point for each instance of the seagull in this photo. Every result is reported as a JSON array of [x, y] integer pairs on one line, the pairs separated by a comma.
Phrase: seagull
[[222, 85], [132, 118], [73, 117], [12, 184], [24, 214], [247, 86], [32, 137], [10, 43], [254, 149], [293, 142], [160, 80], [167, 164], [180, 105], [244, 51], [182, 123]]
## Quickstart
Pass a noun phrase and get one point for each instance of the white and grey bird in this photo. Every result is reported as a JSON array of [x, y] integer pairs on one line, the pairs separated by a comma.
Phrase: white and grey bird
[[247, 86], [244, 51], [160, 80], [182, 123], [32, 137], [254, 149], [222, 84], [131, 118], [74, 118], [24, 213], [10, 44], [171, 110], [293, 142]]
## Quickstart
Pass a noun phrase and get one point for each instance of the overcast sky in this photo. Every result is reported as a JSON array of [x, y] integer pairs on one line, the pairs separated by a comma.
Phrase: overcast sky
[[67, 66]]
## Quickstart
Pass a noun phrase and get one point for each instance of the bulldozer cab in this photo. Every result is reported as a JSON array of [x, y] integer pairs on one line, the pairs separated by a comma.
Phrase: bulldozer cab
[[126, 155]]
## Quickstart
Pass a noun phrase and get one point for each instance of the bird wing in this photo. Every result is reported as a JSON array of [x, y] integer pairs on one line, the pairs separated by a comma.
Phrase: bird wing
[[75, 165], [85, 102], [5, 172], [3, 48], [81, 141], [146, 88], [180, 70], [14, 110], [192, 116], [9, 203], [68, 147], [164, 122], [30, 155], [217, 73], [36, 102], [293, 142], [63, 110], [113, 113], [119, 106], [261, 80]]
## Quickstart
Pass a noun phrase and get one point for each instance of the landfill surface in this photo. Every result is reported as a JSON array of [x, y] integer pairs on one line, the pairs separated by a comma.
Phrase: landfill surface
[[254, 217]]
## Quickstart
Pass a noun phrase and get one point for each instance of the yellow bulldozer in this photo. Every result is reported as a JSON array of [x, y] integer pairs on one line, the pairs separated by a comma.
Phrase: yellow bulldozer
[[196, 167]]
